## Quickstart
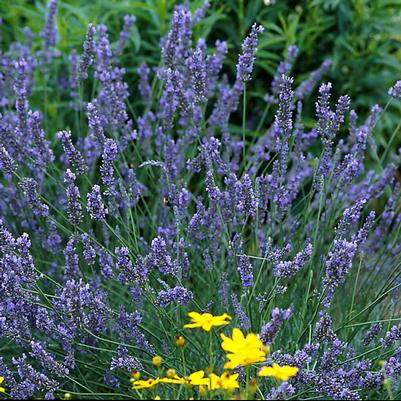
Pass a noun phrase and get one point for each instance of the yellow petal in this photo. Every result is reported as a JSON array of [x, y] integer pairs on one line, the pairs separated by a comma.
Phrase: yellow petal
[[238, 335], [191, 325], [265, 371], [194, 315]]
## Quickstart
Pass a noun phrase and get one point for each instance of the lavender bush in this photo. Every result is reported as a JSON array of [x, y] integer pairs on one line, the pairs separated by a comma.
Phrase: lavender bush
[[115, 227]]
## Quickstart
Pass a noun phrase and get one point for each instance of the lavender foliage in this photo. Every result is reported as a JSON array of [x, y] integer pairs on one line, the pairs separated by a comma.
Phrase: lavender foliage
[[156, 202]]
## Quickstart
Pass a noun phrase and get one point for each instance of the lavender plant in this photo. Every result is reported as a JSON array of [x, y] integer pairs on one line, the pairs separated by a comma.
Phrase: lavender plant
[[136, 215]]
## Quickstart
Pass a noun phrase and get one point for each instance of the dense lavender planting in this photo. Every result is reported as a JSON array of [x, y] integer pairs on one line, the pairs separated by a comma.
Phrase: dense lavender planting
[[117, 226]]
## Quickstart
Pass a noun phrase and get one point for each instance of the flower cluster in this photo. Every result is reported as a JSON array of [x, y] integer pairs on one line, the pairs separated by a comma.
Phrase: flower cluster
[[139, 191]]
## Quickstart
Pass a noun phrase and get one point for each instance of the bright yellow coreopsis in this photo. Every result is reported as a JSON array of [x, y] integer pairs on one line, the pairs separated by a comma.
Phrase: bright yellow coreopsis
[[142, 384], [225, 381], [198, 379], [194, 379], [207, 321], [2, 389], [279, 372], [241, 350]]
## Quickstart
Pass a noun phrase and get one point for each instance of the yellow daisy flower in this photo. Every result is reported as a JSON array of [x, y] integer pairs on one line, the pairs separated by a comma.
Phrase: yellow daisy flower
[[225, 381], [198, 379], [173, 379], [194, 379], [279, 372], [243, 351], [207, 321], [2, 389], [145, 384]]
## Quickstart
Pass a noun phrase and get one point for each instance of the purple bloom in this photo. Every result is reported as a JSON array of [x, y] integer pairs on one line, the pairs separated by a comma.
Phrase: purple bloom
[[395, 91], [247, 58], [245, 269], [7, 163], [176, 45], [22, 105], [129, 273], [125, 361], [106, 264], [95, 205], [74, 208], [201, 12], [49, 32], [89, 250], [244, 322], [97, 123], [246, 200], [48, 360], [30, 188], [197, 67], [143, 86], [269, 331], [110, 152], [290, 268], [44, 154], [73, 155], [392, 336], [129, 21], [177, 294], [86, 58], [160, 257], [71, 258], [372, 333], [224, 290]]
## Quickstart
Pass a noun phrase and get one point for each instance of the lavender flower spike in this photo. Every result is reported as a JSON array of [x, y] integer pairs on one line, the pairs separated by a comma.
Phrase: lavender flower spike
[[129, 21], [395, 91], [74, 208], [110, 152], [177, 294], [95, 205], [30, 188], [270, 330], [87, 55], [247, 58], [49, 32], [73, 155], [7, 163]]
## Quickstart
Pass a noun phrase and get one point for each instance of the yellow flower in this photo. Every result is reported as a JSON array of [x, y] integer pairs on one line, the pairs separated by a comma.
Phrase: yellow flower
[[141, 384], [136, 374], [225, 381], [173, 380], [2, 389], [171, 373], [180, 341], [157, 397], [67, 396], [157, 360], [198, 379], [243, 351], [194, 379], [279, 372], [207, 321]]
